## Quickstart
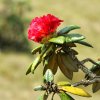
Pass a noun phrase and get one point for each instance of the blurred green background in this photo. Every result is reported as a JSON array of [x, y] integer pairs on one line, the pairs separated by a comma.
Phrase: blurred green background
[[15, 56]]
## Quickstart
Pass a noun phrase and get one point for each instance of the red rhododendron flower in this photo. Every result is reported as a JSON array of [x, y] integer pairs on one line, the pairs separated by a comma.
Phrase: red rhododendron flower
[[42, 27]]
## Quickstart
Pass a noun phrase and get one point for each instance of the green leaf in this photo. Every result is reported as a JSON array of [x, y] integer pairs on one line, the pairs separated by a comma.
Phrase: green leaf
[[44, 48], [65, 70], [58, 40], [75, 90], [73, 37], [67, 29], [43, 97], [45, 62], [96, 68], [38, 60], [84, 43], [29, 70], [51, 64], [39, 88], [50, 49], [65, 96], [35, 63], [64, 83], [37, 49], [48, 77]]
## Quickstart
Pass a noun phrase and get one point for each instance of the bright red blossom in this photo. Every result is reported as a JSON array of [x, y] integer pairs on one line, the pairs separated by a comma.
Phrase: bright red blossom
[[41, 27]]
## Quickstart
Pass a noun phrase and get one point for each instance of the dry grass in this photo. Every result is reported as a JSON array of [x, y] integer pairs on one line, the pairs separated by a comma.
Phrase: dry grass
[[14, 85]]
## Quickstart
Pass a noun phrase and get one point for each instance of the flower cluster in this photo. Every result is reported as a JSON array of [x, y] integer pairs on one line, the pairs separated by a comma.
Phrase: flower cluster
[[43, 27]]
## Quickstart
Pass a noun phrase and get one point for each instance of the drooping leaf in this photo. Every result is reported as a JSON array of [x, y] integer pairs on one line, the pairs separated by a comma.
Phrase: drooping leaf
[[44, 48], [65, 96], [69, 62], [35, 63], [67, 29], [58, 40], [50, 49], [52, 64], [71, 45], [37, 49], [64, 83], [96, 69], [84, 43], [73, 37], [45, 62], [65, 70], [37, 60], [43, 97], [39, 88], [48, 77], [47, 55], [75, 90], [95, 87], [29, 70]]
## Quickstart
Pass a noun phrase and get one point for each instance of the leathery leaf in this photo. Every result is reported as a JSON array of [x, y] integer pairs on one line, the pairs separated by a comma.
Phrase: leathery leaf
[[58, 40], [51, 63], [64, 83], [65, 96], [29, 70], [84, 43], [37, 49], [35, 63], [69, 62], [67, 29], [75, 90], [95, 87], [65, 70], [73, 37]]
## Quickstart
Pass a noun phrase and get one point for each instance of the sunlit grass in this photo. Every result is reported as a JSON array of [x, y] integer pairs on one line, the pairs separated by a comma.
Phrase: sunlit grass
[[14, 85]]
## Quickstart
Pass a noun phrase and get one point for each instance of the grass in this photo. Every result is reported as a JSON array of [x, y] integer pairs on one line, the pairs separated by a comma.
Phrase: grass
[[14, 85]]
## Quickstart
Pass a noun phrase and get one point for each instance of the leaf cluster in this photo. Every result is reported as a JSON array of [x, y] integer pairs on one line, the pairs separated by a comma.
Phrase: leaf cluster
[[59, 52], [61, 88]]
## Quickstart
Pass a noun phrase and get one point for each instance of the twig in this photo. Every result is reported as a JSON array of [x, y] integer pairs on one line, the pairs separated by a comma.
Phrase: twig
[[86, 70], [89, 60], [52, 96], [87, 82]]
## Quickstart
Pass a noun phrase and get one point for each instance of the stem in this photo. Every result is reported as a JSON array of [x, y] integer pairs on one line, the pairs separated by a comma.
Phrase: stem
[[87, 82], [86, 70], [52, 96], [80, 63], [90, 60]]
